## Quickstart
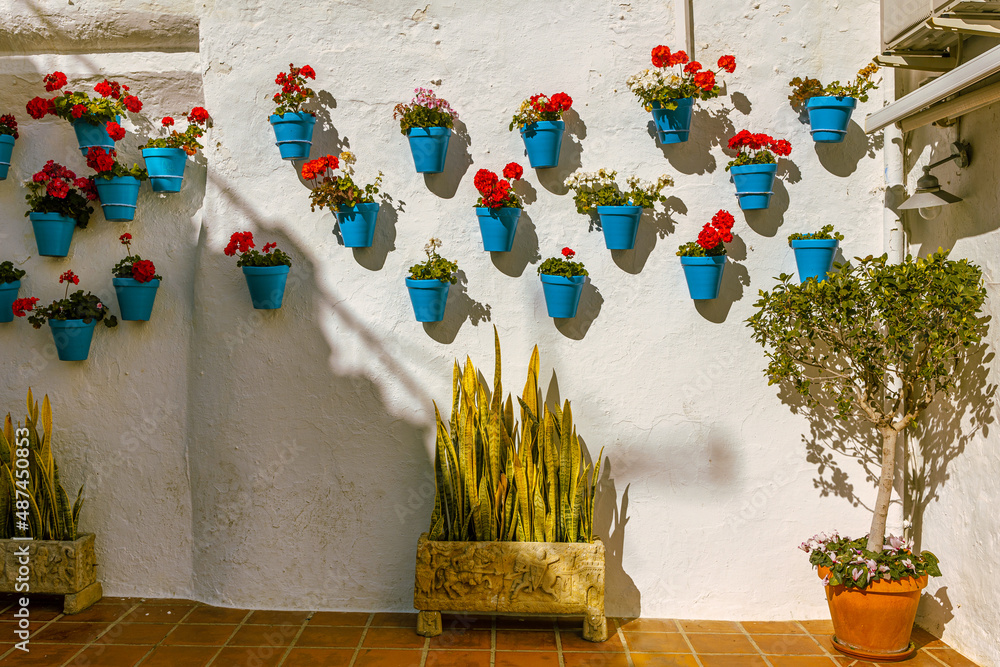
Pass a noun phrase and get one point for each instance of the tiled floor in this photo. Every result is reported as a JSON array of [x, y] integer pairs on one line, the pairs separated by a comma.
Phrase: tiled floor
[[120, 632]]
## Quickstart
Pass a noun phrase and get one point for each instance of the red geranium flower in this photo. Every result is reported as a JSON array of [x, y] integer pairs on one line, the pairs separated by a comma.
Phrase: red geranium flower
[[705, 80], [728, 63], [54, 81], [678, 58], [57, 188], [132, 103], [21, 305], [782, 147], [561, 101], [709, 238], [100, 160], [125, 238], [69, 277], [239, 242], [569, 253], [115, 131], [198, 115], [167, 121], [143, 271], [268, 247], [38, 107], [485, 181], [109, 89], [723, 220], [513, 171], [78, 110], [308, 72], [692, 67], [661, 56]]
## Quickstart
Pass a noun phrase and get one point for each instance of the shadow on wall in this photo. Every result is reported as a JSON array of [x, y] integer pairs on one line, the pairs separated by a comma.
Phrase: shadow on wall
[[457, 163], [767, 221], [842, 159], [590, 307], [460, 307], [734, 278], [709, 127], [525, 250], [655, 224], [570, 155]]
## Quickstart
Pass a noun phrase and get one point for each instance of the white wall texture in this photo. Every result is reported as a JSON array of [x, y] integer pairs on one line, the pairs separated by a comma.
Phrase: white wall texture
[[283, 459]]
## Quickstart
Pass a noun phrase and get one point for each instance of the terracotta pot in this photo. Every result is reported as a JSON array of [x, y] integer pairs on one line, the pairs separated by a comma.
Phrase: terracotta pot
[[875, 623]]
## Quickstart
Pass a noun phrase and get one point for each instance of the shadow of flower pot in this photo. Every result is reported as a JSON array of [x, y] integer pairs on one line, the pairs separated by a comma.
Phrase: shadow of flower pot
[[524, 251], [460, 307], [457, 163], [570, 155], [588, 310]]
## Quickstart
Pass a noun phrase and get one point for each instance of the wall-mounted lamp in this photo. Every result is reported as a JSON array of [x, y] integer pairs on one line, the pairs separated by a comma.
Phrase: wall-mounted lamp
[[928, 198]]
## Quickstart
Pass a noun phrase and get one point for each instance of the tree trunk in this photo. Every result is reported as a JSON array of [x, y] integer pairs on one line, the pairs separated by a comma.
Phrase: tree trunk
[[876, 536]]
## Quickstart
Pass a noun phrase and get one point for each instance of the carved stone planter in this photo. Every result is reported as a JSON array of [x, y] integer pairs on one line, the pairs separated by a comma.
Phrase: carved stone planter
[[510, 578], [54, 568]]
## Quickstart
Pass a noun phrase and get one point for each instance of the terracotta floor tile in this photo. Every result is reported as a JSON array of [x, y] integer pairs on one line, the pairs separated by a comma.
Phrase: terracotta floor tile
[[99, 613], [787, 645], [924, 639], [265, 617], [709, 643], [36, 611], [528, 623], [656, 642], [730, 661], [207, 614], [158, 613], [921, 659], [664, 660], [595, 660], [518, 659], [199, 635], [649, 625], [264, 635], [374, 657], [135, 633], [393, 638], [951, 657], [461, 639], [801, 661], [574, 641], [175, 602], [772, 627], [821, 627], [245, 656], [318, 657], [715, 627], [844, 661], [340, 618], [394, 620], [329, 637], [459, 659], [42, 655], [526, 640], [69, 633], [109, 656], [176, 656], [466, 622]]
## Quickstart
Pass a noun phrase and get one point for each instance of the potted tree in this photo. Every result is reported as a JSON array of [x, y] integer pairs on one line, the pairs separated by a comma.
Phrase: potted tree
[[356, 208], [265, 272], [670, 94], [878, 343], [72, 319], [540, 122], [135, 282], [293, 127], [512, 526], [618, 211], [166, 157], [498, 207], [95, 120], [704, 260], [429, 282], [562, 283], [754, 167], [814, 252], [830, 106], [117, 186], [426, 122], [10, 284], [58, 203], [38, 517], [8, 134]]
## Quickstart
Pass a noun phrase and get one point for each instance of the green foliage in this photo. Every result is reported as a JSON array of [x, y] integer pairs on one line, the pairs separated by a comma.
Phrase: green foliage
[[803, 89], [852, 565], [665, 87], [339, 190], [74, 205], [118, 170], [123, 269], [75, 306], [99, 110], [435, 267], [254, 258], [692, 249], [497, 479], [763, 156], [825, 232], [558, 266], [34, 494], [9, 274], [593, 189], [415, 115]]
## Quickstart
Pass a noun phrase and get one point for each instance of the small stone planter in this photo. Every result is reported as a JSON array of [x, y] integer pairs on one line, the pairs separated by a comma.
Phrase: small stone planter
[[54, 568], [510, 578]]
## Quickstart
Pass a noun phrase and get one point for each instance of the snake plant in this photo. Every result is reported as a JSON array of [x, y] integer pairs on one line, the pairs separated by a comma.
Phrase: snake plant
[[498, 479], [47, 514]]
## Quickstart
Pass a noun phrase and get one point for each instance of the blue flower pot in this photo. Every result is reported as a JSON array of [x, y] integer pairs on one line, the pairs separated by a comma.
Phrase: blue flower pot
[[293, 133], [814, 257], [8, 294], [829, 118], [429, 297], [118, 196], [72, 338], [498, 226], [562, 295], [165, 167], [754, 185], [704, 275], [135, 299], [429, 146], [89, 135], [357, 224], [543, 141], [673, 125], [53, 233], [620, 224], [6, 149], [267, 285]]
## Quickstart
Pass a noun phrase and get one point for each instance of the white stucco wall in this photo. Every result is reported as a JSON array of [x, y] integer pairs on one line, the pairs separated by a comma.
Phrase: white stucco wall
[[283, 459]]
